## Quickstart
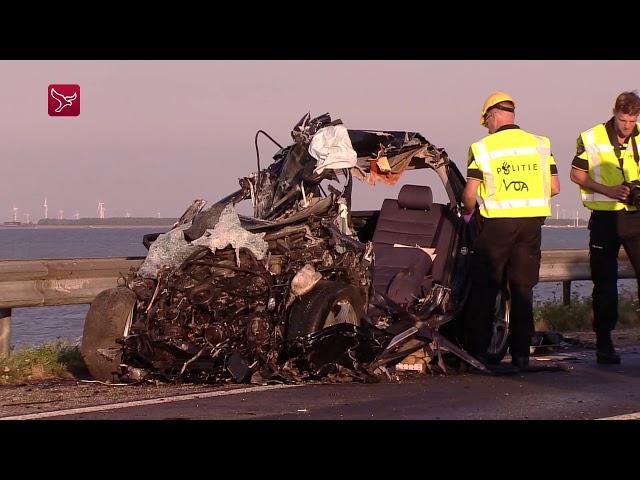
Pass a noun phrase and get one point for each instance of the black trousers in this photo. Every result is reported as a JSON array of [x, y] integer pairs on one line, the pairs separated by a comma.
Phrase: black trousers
[[609, 230], [506, 252]]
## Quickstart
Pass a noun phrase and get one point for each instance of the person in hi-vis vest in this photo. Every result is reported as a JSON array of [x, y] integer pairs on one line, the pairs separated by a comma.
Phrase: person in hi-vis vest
[[606, 169], [512, 175]]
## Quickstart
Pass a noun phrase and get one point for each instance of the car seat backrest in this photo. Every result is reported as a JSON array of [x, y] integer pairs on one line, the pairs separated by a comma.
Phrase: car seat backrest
[[404, 224]]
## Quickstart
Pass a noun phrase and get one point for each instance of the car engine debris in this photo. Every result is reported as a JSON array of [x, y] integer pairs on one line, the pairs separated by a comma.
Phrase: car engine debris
[[287, 295]]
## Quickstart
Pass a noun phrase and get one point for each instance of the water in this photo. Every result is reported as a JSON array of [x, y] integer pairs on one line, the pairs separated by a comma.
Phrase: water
[[31, 326], [559, 238]]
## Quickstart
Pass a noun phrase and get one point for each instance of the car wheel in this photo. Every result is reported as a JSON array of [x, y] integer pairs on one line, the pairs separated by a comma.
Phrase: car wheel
[[108, 318], [499, 339], [329, 303]]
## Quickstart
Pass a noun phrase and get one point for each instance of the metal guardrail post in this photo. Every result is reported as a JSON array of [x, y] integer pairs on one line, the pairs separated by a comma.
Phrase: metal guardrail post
[[566, 292], [5, 331]]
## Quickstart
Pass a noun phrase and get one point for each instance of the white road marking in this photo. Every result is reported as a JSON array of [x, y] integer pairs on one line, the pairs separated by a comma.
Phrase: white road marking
[[152, 401], [627, 416]]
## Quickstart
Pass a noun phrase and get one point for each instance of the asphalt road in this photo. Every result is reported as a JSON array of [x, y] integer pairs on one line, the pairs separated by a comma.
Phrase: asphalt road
[[585, 391]]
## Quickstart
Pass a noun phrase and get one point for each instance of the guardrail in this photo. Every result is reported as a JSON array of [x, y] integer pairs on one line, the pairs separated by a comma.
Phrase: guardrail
[[50, 282], [71, 281], [571, 265]]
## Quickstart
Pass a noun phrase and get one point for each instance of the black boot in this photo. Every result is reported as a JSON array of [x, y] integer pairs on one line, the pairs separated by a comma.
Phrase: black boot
[[520, 354], [521, 362], [606, 353]]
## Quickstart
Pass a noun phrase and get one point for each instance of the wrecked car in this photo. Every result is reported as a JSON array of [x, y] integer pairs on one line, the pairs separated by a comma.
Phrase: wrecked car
[[305, 288]]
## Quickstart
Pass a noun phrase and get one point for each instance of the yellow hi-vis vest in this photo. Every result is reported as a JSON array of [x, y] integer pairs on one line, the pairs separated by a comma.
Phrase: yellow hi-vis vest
[[516, 174], [604, 168]]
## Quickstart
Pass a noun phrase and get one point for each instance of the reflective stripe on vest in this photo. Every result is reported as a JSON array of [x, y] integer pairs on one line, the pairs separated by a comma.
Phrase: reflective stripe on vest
[[604, 168], [545, 153], [521, 203]]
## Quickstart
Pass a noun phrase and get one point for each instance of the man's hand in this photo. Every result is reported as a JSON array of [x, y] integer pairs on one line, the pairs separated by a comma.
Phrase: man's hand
[[619, 192]]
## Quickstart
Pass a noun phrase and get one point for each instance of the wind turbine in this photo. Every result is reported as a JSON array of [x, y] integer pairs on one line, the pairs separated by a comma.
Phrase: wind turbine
[[60, 214], [46, 208], [77, 215], [15, 214], [28, 216], [100, 209]]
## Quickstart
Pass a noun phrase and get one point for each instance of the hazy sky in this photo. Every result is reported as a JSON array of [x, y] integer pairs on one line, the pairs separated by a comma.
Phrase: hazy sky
[[154, 135]]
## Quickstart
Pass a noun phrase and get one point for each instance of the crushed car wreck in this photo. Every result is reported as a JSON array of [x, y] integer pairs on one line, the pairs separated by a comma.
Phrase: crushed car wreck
[[305, 288]]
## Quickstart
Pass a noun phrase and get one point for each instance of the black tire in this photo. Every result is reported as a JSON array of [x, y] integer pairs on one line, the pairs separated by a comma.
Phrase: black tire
[[327, 304], [105, 322], [499, 339]]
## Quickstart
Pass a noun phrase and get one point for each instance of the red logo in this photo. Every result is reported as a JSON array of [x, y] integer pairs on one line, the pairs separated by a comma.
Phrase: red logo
[[64, 100]]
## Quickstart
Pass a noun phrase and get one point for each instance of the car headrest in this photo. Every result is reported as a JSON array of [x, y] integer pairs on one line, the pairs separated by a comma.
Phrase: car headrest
[[415, 197]]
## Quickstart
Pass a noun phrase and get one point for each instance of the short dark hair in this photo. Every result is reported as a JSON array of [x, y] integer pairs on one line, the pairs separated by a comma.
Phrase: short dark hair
[[628, 103]]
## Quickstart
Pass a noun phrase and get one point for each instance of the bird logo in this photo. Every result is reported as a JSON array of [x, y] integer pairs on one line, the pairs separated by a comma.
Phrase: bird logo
[[64, 100]]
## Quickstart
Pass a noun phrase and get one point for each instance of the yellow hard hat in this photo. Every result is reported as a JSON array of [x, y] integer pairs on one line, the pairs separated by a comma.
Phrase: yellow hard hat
[[494, 99]]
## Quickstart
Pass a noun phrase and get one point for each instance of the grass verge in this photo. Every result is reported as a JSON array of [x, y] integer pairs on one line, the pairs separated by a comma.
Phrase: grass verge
[[60, 359], [578, 316]]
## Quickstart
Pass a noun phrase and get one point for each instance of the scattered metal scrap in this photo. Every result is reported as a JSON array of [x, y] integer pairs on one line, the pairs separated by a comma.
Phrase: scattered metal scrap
[[214, 298]]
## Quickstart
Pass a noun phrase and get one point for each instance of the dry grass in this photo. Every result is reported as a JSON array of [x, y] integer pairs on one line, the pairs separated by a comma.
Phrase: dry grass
[[59, 359], [578, 316]]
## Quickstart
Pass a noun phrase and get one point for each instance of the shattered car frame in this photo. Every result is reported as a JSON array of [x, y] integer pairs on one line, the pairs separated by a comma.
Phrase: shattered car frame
[[300, 290]]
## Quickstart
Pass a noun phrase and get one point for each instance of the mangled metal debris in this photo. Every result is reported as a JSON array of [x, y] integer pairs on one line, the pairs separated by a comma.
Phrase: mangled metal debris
[[169, 250], [290, 294], [228, 231]]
